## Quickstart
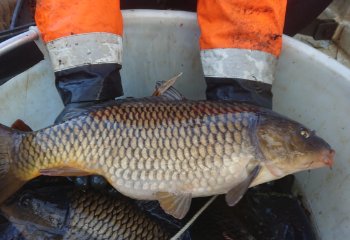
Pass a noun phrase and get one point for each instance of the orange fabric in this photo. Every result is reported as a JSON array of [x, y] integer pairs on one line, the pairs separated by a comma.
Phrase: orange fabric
[[60, 18], [256, 25]]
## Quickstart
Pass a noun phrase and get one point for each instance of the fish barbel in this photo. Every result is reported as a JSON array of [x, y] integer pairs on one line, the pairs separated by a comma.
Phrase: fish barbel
[[170, 151], [76, 214]]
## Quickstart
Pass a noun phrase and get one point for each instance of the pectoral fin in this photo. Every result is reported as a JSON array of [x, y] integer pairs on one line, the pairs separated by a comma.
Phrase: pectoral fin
[[64, 171], [236, 193], [176, 205]]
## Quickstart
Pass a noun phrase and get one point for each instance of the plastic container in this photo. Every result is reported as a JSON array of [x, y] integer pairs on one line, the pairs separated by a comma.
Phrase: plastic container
[[310, 88]]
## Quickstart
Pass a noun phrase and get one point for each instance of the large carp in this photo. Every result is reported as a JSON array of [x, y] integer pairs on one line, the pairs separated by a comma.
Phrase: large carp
[[169, 150]]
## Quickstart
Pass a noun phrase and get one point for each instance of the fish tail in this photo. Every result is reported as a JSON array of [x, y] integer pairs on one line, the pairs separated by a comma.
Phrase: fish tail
[[9, 183]]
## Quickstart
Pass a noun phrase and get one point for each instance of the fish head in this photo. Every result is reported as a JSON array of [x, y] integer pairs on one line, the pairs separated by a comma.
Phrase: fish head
[[27, 207], [290, 147]]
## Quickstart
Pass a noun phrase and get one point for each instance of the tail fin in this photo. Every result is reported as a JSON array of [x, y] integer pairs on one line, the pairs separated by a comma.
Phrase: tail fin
[[9, 183]]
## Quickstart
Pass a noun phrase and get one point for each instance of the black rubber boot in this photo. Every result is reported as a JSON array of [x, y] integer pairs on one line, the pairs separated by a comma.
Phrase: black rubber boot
[[241, 90], [87, 85]]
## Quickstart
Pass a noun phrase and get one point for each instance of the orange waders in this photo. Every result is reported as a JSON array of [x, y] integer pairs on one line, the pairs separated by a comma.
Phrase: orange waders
[[84, 41], [240, 40]]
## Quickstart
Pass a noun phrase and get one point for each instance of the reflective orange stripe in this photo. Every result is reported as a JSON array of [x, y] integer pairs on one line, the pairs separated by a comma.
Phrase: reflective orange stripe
[[256, 25], [60, 18]]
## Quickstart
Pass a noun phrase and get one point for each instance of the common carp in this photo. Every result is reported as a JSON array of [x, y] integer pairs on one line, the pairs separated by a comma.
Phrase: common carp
[[165, 150], [63, 212]]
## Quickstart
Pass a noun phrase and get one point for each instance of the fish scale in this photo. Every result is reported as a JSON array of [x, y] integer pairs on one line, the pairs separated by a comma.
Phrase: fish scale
[[86, 215], [89, 218], [177, 139]]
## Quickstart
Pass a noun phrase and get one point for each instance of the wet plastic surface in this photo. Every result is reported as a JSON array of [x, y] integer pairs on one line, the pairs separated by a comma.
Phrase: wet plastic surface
[[266, 212]]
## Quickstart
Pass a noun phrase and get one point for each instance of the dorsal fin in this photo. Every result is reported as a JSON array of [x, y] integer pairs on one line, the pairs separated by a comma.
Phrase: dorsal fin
[[21, 125], [171, 93], [166, 89]]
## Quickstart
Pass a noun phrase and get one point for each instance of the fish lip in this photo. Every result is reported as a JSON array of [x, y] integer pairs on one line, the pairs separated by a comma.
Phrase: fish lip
[[328, 157], [325, 158]]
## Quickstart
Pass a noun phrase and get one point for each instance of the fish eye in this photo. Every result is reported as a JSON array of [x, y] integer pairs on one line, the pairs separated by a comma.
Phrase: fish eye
[[305, 133]]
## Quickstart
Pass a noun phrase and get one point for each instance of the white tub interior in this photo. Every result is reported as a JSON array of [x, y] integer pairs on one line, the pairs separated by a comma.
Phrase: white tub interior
[[310, 87]]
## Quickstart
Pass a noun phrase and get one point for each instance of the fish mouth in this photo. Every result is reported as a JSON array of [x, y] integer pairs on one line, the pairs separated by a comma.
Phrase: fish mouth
[[327, 157], [324, 158]]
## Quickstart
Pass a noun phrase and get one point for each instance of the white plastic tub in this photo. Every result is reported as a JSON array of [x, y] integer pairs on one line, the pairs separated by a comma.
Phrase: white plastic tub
[[310, 87]]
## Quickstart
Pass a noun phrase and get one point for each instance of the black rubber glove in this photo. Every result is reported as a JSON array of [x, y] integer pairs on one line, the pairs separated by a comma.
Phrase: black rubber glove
[[241, 90]]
